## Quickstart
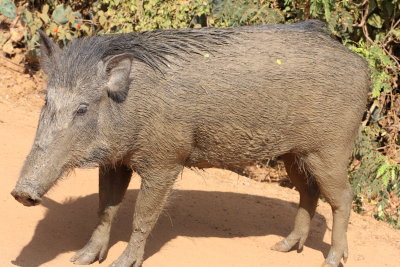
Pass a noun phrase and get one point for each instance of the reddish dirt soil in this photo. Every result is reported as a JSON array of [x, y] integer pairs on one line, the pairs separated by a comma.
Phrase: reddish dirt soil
[[214, 217]]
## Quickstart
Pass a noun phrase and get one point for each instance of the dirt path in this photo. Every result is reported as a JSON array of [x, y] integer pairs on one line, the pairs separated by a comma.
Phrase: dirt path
[[214, 217]]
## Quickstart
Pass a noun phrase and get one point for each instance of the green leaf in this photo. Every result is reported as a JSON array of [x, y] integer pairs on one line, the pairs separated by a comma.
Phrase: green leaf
[[102, 20], [68, 35], [60, 14], [396, 33], [8, 9], [77, 15], [381, 170], [393, 174], [27, 16], [44, 17], [327, 9], [388, 9], [372, 6], [375, 20], [45, 9], [85, 28], [71, 18]]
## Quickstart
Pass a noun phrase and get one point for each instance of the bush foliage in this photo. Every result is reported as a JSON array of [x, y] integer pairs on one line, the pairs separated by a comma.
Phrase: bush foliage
[[368, 27]]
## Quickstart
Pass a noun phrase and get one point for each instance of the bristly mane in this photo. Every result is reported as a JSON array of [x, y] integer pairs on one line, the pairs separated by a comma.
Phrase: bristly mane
[[152, 48], [156, 48]]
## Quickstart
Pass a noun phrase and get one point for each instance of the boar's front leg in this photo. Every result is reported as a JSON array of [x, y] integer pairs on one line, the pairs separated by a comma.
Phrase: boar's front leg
[[113, 182], [154, 190]]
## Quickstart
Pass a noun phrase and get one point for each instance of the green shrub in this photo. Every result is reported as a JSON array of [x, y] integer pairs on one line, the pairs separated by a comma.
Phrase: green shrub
[[141, 15], [58, 21]]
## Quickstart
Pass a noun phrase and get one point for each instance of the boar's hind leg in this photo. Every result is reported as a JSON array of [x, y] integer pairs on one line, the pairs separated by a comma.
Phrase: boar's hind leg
[[330, 171], [113, 182], [154, 190], [308, 202]]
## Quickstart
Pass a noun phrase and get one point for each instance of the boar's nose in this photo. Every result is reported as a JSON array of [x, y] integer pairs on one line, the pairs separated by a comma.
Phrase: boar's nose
[[27, 199]]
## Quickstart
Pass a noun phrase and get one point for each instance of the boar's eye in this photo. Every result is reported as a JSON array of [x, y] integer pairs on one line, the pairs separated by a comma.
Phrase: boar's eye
[[83, 107]]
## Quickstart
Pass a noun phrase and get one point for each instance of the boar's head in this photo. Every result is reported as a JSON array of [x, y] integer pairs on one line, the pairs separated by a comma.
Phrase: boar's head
[[85, 89]]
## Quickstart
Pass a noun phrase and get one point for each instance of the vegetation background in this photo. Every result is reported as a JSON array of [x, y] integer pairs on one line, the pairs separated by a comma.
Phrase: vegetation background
[[368, 27]]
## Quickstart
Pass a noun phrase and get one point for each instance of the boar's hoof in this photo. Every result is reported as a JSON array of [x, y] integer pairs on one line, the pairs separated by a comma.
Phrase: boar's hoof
[[333, 259], [126, 262], [130, 257], [282, 246], [288, 243], [326, 264], [90, 253]]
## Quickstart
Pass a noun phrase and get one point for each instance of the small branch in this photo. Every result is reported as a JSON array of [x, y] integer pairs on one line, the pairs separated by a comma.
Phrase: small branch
[[363, 23], [364, 16], [8, 67], [11, 62], [365, 31], [89, 21], [385, 42], [361, 4], [395, 59], [369, 114]]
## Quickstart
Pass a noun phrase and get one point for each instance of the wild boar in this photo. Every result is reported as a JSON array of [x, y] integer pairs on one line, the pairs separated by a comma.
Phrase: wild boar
[[155, 102]]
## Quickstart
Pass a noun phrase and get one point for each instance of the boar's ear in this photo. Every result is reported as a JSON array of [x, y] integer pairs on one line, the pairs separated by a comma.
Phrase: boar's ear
[[118, 69], [47, 51]]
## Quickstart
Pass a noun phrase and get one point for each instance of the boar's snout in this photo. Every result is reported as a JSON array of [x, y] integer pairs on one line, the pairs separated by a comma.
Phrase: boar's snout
[[26, 197]]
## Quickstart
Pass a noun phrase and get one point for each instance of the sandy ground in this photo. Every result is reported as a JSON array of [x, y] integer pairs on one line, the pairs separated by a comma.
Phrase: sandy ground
[[214, 217]]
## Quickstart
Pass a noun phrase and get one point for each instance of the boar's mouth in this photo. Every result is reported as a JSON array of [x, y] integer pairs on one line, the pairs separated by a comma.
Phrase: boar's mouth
[[26, 196]]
